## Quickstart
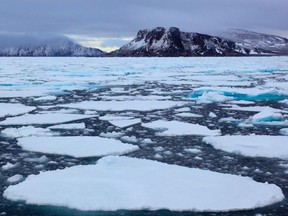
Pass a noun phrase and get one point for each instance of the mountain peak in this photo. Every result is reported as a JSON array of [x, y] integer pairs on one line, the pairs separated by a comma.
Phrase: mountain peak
[[173, 42]]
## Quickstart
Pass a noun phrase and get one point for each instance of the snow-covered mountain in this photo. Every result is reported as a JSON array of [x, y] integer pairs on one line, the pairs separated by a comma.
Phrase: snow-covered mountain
[[173, 42], [257, 42], [35, 46]]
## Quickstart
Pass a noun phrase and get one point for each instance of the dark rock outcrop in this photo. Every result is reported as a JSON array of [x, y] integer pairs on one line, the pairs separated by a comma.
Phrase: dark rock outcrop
[[173, 42]]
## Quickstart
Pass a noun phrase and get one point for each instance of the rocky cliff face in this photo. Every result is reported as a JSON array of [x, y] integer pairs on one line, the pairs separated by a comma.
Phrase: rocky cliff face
[[59, 46], [173, 42], [258, 43]]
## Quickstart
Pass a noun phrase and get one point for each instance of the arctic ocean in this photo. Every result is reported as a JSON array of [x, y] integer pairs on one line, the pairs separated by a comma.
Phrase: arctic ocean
[[144, 136]]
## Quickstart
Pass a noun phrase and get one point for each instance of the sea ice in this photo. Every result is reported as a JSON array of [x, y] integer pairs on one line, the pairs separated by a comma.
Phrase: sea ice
[[212, 97], [11, 109], [121, 183], [76, 146], [267, 115], [120, 121], [69, 126], [176, 128], [189, 115], [284, 131], [49, 118], [26, 131], [252, 146], [14, 179], [138, 105]]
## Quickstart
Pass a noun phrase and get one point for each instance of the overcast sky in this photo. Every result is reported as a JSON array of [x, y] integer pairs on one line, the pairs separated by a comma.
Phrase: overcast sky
[[110, 23]]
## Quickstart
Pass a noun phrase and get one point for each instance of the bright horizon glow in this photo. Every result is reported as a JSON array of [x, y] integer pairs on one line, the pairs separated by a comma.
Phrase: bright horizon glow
[[105, 44]]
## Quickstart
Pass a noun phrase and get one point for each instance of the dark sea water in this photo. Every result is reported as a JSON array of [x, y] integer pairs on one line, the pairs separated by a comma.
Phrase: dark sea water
[[260, 169]]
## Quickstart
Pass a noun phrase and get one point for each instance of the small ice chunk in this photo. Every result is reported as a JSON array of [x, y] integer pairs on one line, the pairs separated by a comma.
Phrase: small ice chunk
[[193, 150], [212, 115], [14, 179], [176, 128], [192, 115], [129, 139], [284, 131], [68, 126], [112, 134], [212, 97], [8, 166], [267, 115], [46, 98]]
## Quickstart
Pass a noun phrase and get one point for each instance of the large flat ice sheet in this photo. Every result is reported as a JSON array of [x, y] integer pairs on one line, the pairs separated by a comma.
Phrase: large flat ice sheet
[[47, 118], [116, 183], [253, 146], [10, 109], [76, 146]]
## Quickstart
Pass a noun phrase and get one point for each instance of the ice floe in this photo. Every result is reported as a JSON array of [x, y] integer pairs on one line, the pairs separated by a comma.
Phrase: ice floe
[[256, 94], [138, 105], [68, 126], [11, 109], [116, 183], [76, 146], [120, 121], [176, 128], [252, 146], [48, 118], [284, 131], [26, 131]]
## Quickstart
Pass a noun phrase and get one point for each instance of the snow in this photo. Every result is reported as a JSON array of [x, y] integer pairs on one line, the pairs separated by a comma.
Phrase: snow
[[121, 183], [252, 146], [212, 97], [284, 131], [26, 131], [267, 114], [176, 128], [76, 146], [46, 98], [124, 105], [120, 121], [11, 109], [189, 115], [68, 126], [8, 166], [14, 179], [48, 118]]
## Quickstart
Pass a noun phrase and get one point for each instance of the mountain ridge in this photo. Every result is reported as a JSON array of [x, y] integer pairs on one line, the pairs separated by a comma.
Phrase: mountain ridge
[[53, 46]]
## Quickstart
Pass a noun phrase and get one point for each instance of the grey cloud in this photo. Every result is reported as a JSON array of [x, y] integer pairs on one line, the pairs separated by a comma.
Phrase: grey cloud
[[123, 18]]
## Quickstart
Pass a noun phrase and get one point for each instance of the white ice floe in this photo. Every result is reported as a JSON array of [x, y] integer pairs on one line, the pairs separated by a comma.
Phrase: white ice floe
[[49, 118], [46, 98], [176, 128], [138, 105], [212, 115], [267, 115], [284, 131], [212, 97], [76, 146], [122, 183], [189, 115], [69, 126], [252, 146], [120, 121], [14, 179], [11, 109], [254, 109], [8, 166], [26, 131]]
